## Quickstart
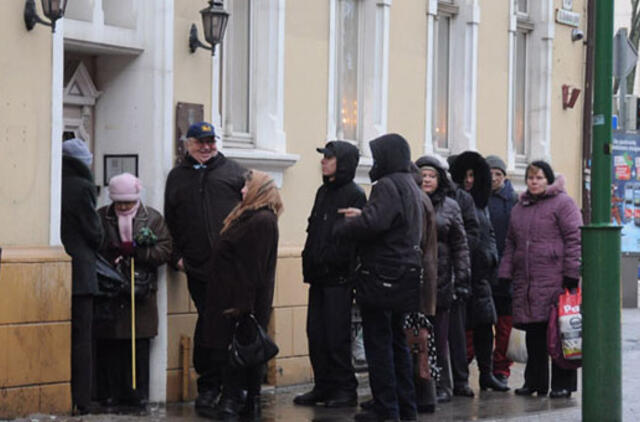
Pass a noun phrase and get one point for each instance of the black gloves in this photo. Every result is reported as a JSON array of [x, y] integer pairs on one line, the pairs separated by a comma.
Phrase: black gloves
[[461, 293], [569, 283]]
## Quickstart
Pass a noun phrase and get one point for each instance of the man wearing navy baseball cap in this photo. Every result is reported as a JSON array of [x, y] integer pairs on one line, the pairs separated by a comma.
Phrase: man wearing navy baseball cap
[[199, 194]]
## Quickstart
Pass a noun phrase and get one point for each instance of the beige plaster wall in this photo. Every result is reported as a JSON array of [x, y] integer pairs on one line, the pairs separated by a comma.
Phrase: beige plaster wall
[[305, 110], [25, 129], [493, 78], [191, 72], [407, 72], [566, 125]]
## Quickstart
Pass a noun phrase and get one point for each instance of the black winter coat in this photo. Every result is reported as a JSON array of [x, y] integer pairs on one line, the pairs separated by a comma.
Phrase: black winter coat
[[81, 231], [245, 265], [500, 205], [389, 229], [327, 260], [197, 200], [114, 315], [484, 254], [454, 264]]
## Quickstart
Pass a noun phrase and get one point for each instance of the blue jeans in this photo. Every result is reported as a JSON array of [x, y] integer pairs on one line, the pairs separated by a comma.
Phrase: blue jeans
[[390, 366]]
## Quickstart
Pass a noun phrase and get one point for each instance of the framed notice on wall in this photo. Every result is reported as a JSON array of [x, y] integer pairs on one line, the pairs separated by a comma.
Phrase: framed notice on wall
[[186, 115], [115, 164]]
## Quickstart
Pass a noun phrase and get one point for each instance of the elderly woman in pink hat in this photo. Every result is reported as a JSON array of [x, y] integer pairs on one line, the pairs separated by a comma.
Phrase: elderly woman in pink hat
[[133, 232]]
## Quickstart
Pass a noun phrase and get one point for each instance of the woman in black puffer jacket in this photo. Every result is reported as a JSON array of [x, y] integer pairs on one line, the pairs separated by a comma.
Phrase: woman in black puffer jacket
[[471, 171], [453, 256]]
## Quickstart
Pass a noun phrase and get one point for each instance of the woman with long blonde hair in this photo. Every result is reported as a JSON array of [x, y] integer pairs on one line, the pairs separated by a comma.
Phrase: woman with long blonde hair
[[244, 260]]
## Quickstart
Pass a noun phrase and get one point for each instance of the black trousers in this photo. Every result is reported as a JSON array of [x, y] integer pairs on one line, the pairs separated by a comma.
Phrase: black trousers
[[536, 374], [390, 365], [458, 344], [82, 362], [329, 335], [208, 368], [114, 370], [442, 349], [483, 347]]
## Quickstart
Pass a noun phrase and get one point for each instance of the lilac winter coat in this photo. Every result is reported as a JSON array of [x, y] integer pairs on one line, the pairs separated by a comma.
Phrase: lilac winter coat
[[542, 247]]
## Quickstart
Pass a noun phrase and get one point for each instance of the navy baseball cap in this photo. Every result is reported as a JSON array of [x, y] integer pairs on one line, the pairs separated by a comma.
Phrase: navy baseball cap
[[201, 130]]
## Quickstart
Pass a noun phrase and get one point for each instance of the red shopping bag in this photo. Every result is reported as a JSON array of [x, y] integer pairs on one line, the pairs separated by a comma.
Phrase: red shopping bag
[[570, 324]]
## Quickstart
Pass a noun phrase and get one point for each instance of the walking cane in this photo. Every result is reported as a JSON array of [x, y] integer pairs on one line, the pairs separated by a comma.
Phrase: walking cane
[[133, 326]]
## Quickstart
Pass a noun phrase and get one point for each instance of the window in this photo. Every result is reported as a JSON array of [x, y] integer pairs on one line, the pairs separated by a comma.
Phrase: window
[[236, 53], [441, 92], [520, 90], [358, 73], [531, 34], [348, 78]]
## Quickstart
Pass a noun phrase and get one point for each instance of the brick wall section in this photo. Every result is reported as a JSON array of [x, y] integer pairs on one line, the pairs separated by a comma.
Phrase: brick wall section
[[287, 326], [35, 331]]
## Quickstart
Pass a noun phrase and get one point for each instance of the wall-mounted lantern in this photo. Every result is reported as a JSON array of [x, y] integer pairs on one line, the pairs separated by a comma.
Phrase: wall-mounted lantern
[[52, 9], [214, 22]]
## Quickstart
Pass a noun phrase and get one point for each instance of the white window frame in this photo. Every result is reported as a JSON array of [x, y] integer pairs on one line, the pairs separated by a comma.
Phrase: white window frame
[[445, 10], [373, 73], [231, 137], [463, 47], [540, 26], [268, 150]]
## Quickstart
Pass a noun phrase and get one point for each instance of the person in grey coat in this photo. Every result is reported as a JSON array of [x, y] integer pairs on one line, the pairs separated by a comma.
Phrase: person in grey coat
[[81, 234]]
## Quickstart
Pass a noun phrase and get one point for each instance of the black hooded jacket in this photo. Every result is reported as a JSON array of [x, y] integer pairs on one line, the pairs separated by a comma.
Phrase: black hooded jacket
[[389, 229], [327, 260], [484, 255], [80, 230], [454, 264], [196, 202]]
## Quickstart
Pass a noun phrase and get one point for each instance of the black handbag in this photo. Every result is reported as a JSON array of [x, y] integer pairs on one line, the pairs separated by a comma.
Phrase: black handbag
[[250, 345], [111, 282], [389, 287]]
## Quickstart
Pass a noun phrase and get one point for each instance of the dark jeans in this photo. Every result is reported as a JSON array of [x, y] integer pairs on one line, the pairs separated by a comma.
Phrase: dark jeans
[[115, 372], [536, 374], [329, 334], [389, 361], [458, 344], [442, 350], [207, 367], [82, 363]]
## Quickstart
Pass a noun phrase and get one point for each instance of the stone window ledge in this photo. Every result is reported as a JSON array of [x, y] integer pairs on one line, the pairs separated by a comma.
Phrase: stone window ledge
[[274, 163]]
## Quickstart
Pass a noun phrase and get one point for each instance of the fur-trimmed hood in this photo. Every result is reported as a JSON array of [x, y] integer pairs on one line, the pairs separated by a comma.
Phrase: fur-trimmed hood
[[481, 189]]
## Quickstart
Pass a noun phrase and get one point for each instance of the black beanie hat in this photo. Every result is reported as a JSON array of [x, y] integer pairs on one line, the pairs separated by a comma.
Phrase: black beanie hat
[[546, 169]]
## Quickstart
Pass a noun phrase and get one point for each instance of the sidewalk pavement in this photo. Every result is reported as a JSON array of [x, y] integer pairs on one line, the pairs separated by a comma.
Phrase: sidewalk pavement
[[487, 406]]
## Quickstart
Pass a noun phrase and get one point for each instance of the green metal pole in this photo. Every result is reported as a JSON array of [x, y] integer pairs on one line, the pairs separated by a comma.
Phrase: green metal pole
[[602, 378]]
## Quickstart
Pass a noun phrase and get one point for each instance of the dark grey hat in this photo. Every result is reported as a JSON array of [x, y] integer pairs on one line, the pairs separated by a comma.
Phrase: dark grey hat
[[496, 162]]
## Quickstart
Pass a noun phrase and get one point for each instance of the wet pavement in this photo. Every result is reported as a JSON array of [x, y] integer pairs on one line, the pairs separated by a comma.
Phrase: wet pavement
[[486, 406]]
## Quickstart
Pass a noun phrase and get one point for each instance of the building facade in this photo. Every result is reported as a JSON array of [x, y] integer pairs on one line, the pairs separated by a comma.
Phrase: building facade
[[449, 75]]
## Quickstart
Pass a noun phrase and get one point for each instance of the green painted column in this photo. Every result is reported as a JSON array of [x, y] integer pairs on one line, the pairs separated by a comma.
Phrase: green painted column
[[602, 378]]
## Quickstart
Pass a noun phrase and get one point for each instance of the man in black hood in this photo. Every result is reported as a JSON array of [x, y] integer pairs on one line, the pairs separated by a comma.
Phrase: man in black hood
[[327, 265], [388, 231]]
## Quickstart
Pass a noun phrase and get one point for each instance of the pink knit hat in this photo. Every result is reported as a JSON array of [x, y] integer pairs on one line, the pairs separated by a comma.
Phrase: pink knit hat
[[125, 187]]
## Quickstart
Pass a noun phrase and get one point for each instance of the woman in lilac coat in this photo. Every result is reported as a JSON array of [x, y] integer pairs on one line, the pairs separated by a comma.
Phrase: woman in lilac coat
[[541, 257]]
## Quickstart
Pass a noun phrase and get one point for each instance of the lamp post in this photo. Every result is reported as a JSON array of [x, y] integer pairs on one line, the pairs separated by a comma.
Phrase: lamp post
[[214, 22], [52, 9]]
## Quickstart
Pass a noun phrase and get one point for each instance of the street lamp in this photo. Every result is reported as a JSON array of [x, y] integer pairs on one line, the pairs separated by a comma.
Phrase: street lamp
[[52, 9], [214, 22]]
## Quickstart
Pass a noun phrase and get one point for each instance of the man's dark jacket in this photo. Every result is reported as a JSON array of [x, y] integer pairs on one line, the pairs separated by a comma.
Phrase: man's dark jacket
[[390, 227], [327, 260], [197, 200], [81, 230], [500, 205]]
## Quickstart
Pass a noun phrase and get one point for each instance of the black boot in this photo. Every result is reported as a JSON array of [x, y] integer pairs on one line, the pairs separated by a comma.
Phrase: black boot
[[488, 381], [310, 398], [252, 407], [560, 394], [228, 409], [525, 390], [342, 399]]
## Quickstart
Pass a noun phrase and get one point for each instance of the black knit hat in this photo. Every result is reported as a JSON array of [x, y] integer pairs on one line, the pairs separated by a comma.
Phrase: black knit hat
[[546, 169]]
